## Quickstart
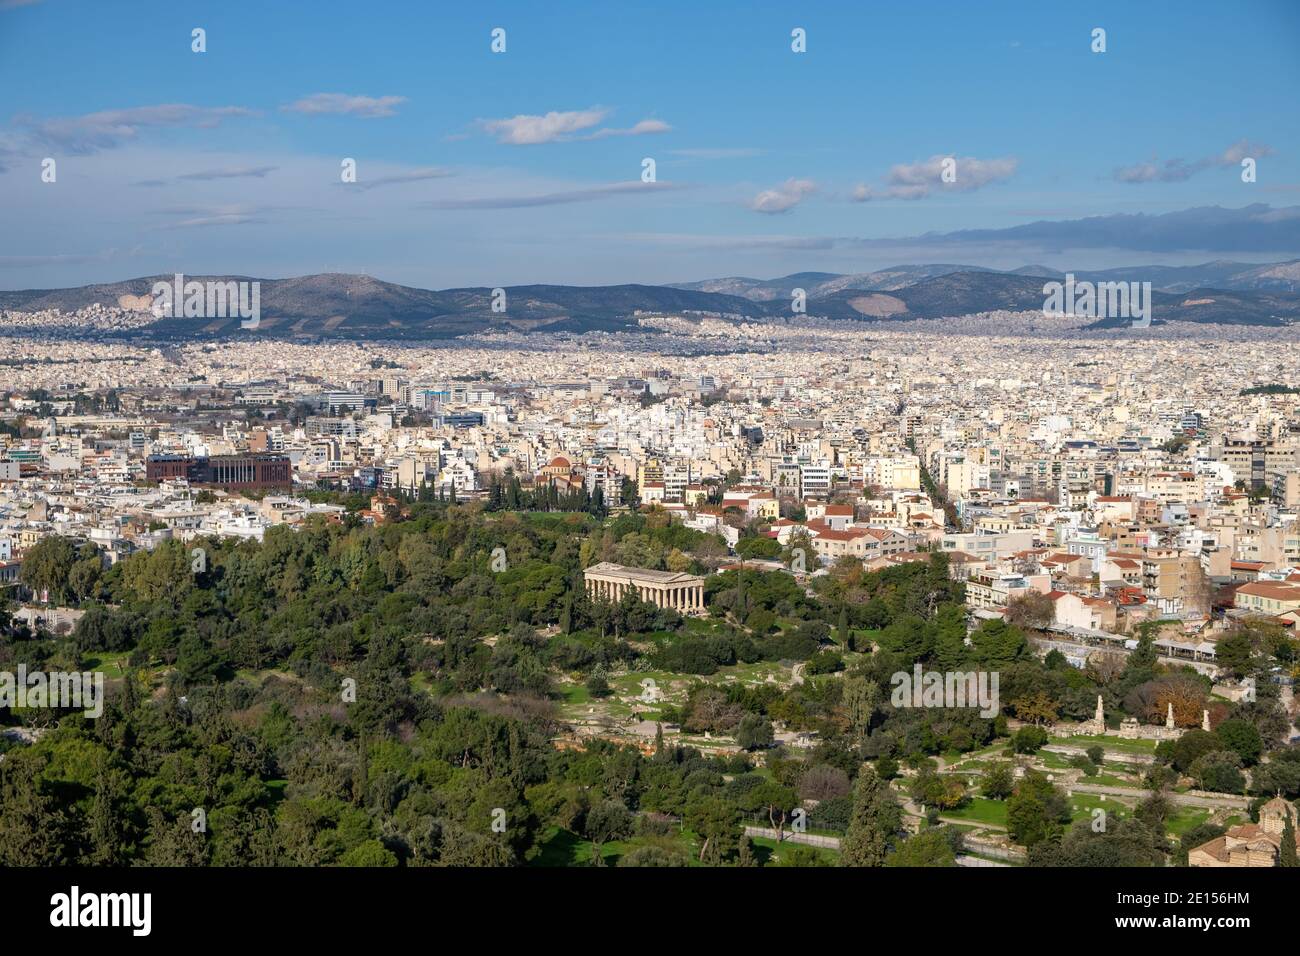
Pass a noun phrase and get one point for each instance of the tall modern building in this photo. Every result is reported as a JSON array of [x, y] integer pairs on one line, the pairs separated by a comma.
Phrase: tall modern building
[[228, 471]]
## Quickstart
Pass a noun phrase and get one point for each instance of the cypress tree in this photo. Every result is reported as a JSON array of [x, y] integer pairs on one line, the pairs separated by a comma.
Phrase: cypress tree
[[874, 823]]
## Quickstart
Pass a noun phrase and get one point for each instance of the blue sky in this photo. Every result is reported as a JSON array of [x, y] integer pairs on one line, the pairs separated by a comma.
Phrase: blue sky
[[476, 168]]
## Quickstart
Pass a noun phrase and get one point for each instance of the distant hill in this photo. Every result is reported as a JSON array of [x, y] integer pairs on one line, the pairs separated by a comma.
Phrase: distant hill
[[339, 306], [1230, 276], [1220, 274], [965, 293], [821, 284], [956, 293], [335, 305]]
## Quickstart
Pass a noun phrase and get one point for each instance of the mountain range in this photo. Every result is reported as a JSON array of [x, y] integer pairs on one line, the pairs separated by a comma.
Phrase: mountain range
[[341, 306], [1220, 274]]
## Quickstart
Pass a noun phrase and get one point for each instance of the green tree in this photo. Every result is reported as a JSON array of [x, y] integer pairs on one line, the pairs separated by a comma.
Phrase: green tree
[[607, 821], [929, 848], [1037, 811], [1029, 739], [778, 801], [874, 824], [1241, 737], [998, 781], [860, 698], [34, 828], [716, 821], [754, 732], [46, 567]]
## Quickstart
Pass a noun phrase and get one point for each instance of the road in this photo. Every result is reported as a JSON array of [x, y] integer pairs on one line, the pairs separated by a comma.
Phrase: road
[[1219, 801]]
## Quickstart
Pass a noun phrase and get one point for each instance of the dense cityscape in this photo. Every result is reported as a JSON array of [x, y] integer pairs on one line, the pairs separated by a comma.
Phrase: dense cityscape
[[456, 458], [1107, 512]]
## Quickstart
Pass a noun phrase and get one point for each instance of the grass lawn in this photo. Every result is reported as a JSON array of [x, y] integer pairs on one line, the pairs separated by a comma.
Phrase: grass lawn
[[1082, 804], [1110, 780], [1054, 761], [980, 810], [1109, 743], [1184, 819], [112, 663], [574, 693]]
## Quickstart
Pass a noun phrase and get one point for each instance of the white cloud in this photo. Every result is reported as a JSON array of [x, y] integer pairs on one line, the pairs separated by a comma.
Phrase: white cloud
[[231, 172], [344, 104], [586, 194], [1178, 170], [397, 179], [921, 179], [783, 198], [109, 128], [640, 129], [526, 130]]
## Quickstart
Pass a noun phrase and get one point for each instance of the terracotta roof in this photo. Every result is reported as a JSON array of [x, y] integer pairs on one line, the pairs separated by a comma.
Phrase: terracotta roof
[[1276, 590], [850, 535]]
